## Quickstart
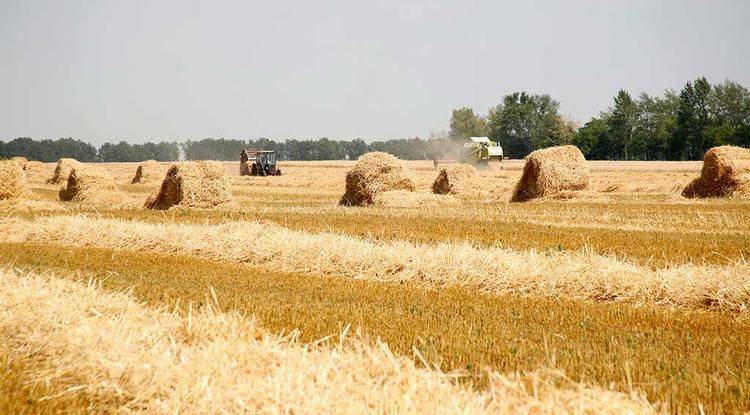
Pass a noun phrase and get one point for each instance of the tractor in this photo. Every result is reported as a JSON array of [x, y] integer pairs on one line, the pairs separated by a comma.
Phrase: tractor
[[263, 163]]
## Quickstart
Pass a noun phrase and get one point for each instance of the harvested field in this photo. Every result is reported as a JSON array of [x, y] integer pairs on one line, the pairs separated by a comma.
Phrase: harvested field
[[626, 285], [120, 358], [197, 184], [575, 275]]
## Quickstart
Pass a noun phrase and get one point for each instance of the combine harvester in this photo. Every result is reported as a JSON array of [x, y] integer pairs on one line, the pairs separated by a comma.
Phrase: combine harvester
[[478, 152]]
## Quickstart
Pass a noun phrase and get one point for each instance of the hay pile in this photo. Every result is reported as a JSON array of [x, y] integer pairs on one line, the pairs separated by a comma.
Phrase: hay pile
[[375, 173], [88, 183], [62, 170], [725, 173], [550, 171], [407, 199], [454, 179], [12, 180], [33, 165], [200, 184], [148, 171]]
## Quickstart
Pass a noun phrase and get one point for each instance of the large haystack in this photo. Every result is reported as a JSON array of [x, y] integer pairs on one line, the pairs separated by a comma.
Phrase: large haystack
[[552, 170], [12, 180], [725, 173], [200, 184], [148, 171], [375, 173], [87, 183], [453, 179], [62, 170]]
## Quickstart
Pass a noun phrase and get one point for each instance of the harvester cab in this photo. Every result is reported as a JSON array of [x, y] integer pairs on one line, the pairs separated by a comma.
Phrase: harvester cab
[[258, 163], [480, 151]]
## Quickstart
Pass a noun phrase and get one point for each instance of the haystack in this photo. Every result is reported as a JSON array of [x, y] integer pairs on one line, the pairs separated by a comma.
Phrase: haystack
[[409, 199], [375, 173], [453, 179], [20, 160], [62, 170], [725, 173], [200, 184], [33, 165], [148, 171], [552, 170], [87, 183], [12, 180]]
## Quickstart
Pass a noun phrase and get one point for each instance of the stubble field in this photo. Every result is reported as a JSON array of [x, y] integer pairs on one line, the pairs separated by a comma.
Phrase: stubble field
[[627, 296]]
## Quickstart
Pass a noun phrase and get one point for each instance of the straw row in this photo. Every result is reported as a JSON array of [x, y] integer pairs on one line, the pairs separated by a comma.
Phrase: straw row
[[581, 275], [78, 340]]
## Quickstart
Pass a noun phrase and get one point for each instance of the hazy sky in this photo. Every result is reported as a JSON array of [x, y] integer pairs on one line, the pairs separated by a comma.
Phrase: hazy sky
[[150, 70]]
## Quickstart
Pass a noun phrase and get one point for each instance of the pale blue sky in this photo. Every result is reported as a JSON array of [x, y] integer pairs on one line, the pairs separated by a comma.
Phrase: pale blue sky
[[150, 70]]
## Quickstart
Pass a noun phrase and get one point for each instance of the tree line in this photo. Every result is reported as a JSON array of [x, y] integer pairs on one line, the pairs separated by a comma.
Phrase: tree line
[[674, 126], [218, 149]]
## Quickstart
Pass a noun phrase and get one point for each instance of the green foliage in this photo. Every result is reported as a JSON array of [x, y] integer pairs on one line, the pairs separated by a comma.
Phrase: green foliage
[[464, 124], [124, 151], [523, 123], [48, 150]]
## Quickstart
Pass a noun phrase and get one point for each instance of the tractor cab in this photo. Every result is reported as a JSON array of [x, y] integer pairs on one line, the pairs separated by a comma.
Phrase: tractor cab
[[258, 163]]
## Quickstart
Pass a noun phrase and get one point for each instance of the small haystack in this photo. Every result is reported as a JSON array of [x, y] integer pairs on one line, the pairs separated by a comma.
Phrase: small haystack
[[20, 160], [552, 170], [62, 170], [725, 173], [87, 183], [453, 179], [148, 171], [375, 173], [12, 180], [33, 165], [200, 184], [409, 199]]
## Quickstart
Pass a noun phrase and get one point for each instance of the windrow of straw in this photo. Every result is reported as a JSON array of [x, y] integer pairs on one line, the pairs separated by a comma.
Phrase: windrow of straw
[[88, 183], [62, 170], [552, 170], [455, 179], [12, 180], [725, 173], [199, 184], [148, 171], [375, 173], [125, 358], [580, 275]]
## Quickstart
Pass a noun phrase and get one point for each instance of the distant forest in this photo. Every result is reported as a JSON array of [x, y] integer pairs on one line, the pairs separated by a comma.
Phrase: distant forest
[[675, 126]]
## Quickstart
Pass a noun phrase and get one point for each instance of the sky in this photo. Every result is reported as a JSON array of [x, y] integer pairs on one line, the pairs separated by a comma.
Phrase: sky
[[152, 70]]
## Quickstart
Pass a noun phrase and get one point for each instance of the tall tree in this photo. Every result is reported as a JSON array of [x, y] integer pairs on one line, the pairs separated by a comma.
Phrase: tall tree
[[622, 123], [464, 123], [523, 123], [689, 140]]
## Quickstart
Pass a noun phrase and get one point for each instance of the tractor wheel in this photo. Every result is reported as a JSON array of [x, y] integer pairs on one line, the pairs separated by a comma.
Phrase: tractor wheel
[[254, 170], [278, 172]]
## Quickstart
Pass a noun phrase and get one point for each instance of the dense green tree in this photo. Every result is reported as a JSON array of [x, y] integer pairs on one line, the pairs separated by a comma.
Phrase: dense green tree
[[593, 138], [621, 123], [689, 141], [523, 123], [464, 124]]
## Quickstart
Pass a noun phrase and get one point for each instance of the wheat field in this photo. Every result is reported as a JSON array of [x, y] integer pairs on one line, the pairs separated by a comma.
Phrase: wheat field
[[625, 298]]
